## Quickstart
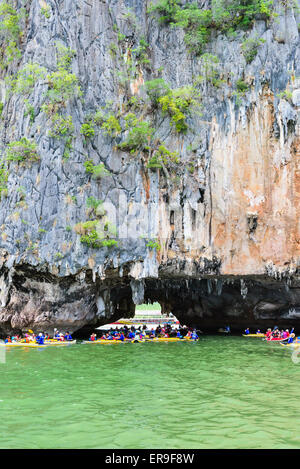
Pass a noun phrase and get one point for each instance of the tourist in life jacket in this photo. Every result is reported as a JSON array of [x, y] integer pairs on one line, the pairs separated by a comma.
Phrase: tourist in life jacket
[[121, 337], [26, 338], [178, 335], [291, 338], [258, 331], [268, 333], [131, 335], [68, 336], [40, 339], [194, 335], [7, 340], [247, 331], [93, 337]]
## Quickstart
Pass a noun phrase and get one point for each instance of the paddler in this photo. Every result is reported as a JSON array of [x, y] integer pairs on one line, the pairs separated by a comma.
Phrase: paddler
[[40, 339], [291, 338], [194, 335], [268, 333], [68, 336], [121, 337], [131, 335], [247, 331]]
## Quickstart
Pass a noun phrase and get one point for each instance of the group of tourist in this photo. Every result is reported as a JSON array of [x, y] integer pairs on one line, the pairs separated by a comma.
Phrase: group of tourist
[[40, 338], [276, 334], [141, 333]]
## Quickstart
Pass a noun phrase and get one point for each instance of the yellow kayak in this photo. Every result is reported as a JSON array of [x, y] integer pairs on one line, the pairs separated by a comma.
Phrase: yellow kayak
[[169, 339], [52, 342], [24, 344], [100, 341], [253, 335], [35, 345], [292, 345]]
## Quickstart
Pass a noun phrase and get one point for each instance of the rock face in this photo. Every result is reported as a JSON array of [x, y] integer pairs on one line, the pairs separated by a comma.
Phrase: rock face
[[214, 236]]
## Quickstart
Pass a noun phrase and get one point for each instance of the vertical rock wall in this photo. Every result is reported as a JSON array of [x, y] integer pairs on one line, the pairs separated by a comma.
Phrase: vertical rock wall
[[215, 235]]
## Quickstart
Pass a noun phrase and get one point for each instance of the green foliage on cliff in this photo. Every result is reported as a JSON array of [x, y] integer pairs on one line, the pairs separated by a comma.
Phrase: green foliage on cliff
[[61, 127], [138, 138], [3, 179], [64, 56], [22, 150], [178, 103], [163, 157], [91, 239], [242, 86], [93, 203], [87, 130], [156, 89], [97, 234], [63, 86], [153, 244], [140, 52], [250, 47], [27, 77], [111, 125], [166, 9], [46, 11], [210, 70], [29, 111], [10, 33], [98, 171], [223, 15]]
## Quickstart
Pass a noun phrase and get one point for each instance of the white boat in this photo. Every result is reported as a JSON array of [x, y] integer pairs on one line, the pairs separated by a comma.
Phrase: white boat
[[151, 319]]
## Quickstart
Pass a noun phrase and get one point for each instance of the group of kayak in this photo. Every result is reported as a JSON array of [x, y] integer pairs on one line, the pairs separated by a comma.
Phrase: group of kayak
[[42, 339], [133, 335], [161, 334], [285, 337]]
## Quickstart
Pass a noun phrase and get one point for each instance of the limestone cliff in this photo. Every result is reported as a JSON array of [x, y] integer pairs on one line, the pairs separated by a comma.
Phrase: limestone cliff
[[135, 168]]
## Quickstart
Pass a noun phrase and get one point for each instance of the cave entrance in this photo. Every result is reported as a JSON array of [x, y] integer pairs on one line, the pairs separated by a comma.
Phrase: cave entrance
[[151, 315], [207, 304]]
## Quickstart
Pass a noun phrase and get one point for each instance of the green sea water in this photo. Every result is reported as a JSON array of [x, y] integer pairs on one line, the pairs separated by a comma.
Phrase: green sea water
[[222, 392]]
